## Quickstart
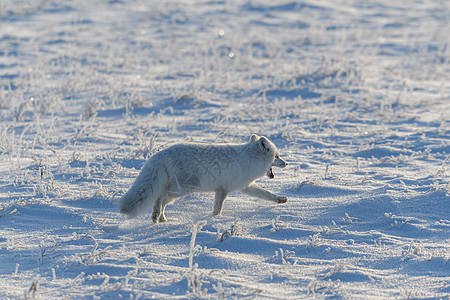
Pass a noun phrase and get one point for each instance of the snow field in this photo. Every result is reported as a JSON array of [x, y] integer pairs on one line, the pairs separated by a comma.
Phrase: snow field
[[355, 96]]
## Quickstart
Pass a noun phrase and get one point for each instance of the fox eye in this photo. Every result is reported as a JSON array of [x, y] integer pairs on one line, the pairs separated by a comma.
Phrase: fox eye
[[276, 156]]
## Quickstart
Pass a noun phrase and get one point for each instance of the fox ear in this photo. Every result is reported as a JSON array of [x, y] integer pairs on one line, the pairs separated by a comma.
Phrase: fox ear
[[263, 145], [254, 137]]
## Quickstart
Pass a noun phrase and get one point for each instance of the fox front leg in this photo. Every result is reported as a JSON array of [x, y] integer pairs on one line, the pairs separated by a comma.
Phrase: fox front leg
[[219, 197], [258, 192]]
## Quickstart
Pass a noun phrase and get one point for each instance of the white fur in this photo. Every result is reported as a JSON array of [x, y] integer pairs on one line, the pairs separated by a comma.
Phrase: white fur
[[183, 169]]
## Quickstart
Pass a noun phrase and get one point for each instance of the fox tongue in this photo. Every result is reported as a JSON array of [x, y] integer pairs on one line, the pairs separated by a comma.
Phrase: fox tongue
[[270, 173]]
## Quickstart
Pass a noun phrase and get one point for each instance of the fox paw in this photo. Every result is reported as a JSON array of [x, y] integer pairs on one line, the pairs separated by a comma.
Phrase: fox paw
[[282, 199], [162, 218], [156, 217]]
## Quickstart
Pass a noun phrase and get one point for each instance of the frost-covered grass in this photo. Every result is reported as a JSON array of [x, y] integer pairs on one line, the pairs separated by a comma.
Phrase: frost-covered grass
[[355, 96]]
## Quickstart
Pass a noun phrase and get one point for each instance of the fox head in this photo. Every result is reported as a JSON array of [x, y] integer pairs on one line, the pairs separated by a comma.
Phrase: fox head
[[267, 148]]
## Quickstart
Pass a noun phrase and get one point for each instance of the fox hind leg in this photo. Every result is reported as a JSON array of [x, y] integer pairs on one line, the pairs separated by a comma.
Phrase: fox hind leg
[[167, 200], [158, 210], [156, 215]]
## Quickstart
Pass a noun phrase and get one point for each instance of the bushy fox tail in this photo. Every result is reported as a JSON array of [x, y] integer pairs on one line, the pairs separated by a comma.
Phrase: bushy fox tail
[[144, 192]]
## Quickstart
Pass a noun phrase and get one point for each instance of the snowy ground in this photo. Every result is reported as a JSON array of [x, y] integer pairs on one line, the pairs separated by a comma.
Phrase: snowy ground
[[356, 95]]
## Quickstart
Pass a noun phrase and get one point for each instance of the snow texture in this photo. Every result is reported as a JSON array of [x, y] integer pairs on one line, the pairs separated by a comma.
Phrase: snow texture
[[355, 95]]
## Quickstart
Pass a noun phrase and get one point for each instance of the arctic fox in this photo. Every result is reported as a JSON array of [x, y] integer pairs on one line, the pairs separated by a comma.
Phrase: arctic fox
[[183, 169]]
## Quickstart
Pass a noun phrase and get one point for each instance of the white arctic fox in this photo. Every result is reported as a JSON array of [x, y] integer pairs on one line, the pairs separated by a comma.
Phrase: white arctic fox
[[183, 169]]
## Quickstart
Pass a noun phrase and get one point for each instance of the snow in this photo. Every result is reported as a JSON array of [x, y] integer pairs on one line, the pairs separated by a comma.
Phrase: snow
[[354, 94]]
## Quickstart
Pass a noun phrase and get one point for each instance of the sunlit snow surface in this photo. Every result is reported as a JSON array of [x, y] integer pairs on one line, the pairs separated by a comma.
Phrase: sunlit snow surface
[[355, 94]]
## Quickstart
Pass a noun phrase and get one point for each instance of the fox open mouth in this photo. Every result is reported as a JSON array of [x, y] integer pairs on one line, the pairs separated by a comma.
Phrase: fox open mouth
[[270, 173]]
